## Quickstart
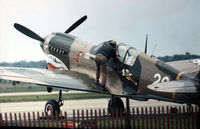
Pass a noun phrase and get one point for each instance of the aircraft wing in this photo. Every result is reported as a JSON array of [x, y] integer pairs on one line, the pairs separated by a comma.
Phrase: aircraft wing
[[186, 66], [178, 86], [53, 78]]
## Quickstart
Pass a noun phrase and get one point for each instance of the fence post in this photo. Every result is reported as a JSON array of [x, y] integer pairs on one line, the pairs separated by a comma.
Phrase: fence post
[[16, 124], [192, 117], [176, 118], [38, 117], [168, 117], [78, 118], [95, 118], [1, 119], [147, 119], [29, 119], [20, 120], [128, 123], [87, 118], [6, 119], [159, 117], [47, 117], [155, 118], [74, 118], [142, 111], [197, 117], [25, 120], [188, 116], [100, 119], [108, 118], [151, 122], [57, 119], [52, 120], [34, 124], [83, 121], [138, 120], [184, 121], [104, 120], [180, 117], [133, 116], [117, 117], [11, 121], [121, 113], [43, 119], [172, 123], [163, 113], [91, 117]]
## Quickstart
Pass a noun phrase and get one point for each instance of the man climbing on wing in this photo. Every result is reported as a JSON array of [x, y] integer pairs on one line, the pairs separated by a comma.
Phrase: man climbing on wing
[[107, 51]]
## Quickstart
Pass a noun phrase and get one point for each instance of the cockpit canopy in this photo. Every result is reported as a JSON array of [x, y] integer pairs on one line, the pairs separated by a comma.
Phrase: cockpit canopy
[[126, 54]]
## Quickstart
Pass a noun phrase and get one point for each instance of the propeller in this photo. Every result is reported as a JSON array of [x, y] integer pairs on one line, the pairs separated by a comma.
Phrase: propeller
[[35, 36], [28, 32], [76, 24], [145, 51]]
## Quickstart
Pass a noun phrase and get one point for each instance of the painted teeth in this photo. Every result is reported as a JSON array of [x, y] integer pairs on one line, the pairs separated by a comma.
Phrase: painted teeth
[[55, 59]]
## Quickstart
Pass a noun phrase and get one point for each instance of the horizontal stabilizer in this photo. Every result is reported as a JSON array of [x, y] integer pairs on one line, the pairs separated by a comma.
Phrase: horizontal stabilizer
[[186, 66], [179, 86]]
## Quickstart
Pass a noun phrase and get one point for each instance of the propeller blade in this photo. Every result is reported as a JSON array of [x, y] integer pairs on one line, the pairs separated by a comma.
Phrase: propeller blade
[[28, 32], [76, 24], [145, 51]]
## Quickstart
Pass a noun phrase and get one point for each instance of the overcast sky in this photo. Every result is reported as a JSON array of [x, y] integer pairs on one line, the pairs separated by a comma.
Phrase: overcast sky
[[173, 26]]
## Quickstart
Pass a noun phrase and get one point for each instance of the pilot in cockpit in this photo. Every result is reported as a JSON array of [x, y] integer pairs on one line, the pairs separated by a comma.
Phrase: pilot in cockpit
[[103, 55]]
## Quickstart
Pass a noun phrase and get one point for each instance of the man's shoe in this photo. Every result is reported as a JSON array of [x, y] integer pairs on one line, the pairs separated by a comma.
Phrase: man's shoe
[[104, 89]]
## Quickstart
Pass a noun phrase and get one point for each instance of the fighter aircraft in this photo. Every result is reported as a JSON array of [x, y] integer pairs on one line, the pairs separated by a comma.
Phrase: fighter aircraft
[[134, 74]]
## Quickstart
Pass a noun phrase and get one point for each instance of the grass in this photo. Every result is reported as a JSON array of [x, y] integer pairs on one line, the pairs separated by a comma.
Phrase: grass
[[72, 96], [35, 88], [23, 89]]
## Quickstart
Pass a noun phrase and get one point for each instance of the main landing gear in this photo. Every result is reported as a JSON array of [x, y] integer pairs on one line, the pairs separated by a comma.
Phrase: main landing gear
[[53, 106], [115, 106]]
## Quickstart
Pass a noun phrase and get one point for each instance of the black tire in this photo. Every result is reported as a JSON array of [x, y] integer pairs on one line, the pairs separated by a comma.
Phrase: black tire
[[115, 104], [52, 106], [174, 110]]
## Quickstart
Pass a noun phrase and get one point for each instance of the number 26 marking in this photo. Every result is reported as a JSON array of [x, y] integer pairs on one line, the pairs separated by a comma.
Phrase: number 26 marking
[[160, 79]]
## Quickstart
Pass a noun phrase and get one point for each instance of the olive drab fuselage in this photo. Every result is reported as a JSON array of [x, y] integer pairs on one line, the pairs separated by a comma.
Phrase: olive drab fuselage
[[129, 75]]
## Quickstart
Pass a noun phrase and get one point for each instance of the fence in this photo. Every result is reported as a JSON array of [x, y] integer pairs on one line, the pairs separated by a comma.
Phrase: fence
[[138, 118]]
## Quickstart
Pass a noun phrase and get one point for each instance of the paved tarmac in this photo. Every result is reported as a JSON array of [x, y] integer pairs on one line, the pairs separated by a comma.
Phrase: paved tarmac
[[69, 105]]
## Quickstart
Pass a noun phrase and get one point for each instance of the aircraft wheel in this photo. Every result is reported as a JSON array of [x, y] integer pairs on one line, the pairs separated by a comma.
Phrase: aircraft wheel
[[115, 104], [173, 110], [51, 107]]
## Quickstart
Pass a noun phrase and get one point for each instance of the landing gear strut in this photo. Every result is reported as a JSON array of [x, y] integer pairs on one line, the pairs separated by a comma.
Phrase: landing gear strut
[[115, 104], [53, 106]]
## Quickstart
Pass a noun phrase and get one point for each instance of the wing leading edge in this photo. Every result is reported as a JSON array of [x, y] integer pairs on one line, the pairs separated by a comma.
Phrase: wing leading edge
[[54, 78]]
